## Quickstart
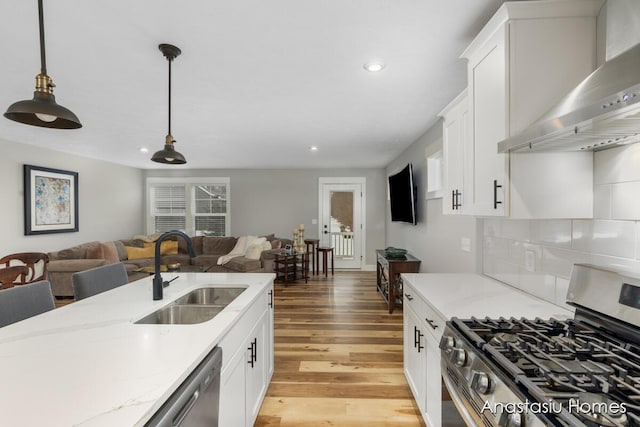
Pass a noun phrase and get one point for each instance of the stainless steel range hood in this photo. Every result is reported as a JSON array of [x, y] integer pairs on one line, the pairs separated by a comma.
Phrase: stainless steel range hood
[[602, 112]]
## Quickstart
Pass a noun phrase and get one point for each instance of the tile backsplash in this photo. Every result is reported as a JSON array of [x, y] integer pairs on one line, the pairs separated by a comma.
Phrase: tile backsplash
[[537, 255]]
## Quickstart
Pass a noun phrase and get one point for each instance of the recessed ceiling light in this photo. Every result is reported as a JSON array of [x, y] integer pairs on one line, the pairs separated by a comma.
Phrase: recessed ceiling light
[[374, 66], [313, 148], [144, 150]]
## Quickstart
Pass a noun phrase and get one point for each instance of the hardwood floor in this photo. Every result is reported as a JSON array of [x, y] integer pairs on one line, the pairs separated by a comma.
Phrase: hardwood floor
[[338, 357]]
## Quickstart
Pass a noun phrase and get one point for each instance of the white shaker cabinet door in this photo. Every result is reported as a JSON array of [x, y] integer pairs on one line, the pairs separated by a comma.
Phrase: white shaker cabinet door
[[488, 102]]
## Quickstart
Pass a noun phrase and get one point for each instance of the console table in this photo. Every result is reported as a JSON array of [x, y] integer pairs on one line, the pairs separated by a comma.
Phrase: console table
[[388, 273]]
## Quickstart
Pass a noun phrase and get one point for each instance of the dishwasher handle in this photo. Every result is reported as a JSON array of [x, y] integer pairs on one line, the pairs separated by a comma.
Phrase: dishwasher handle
[[193, 396], [182, 413]]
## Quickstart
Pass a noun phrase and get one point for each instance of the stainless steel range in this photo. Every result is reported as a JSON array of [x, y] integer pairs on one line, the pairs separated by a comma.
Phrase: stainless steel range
[[583, 371]]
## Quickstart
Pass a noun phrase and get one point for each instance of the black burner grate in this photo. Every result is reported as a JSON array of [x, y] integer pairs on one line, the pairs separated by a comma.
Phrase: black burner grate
[[564, 361]]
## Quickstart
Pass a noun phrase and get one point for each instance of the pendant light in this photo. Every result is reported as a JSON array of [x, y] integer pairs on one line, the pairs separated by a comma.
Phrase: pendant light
[[169, 155], [43, 110]]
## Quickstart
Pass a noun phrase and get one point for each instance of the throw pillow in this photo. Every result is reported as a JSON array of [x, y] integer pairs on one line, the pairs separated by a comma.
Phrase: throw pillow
[[122, 252], [269, 237], [94, 251], [133, 242], [253, 251], [276, 244], [109, 252], [139, 253], [168, 247]]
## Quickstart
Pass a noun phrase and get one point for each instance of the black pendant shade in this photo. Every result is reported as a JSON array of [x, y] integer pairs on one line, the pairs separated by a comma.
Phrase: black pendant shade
[[168, 154], [43, 110]]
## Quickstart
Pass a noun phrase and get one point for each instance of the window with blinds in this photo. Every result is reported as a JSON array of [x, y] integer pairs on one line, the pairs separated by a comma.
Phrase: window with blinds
[[209, 205], [168, 203], [197, 206]]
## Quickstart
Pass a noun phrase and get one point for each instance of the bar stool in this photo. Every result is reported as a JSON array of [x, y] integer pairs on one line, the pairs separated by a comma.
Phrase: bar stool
[[325, 250], [312, 244]]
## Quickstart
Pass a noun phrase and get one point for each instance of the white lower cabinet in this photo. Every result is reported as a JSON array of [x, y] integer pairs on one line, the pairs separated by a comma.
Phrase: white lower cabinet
[[247, 354], [415, 357], [422, 331]]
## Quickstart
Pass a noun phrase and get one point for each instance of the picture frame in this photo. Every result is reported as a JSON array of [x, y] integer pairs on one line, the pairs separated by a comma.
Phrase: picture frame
[[50, 200]]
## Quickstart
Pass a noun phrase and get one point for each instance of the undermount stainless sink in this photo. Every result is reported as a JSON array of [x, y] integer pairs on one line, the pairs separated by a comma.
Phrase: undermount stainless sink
[[207, 296], [197, 306], [175, 314]]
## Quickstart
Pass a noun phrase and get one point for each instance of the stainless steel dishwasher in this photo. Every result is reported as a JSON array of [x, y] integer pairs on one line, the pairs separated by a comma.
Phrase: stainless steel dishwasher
[[196, 402]]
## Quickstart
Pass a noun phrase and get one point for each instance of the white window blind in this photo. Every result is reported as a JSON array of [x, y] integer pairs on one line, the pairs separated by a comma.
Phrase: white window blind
[[198, 208]]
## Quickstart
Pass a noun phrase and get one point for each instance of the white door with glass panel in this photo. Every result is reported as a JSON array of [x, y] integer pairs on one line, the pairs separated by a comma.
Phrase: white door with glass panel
[[341, 219]]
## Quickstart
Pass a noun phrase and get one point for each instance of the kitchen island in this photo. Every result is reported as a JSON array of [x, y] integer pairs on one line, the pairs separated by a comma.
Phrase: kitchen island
[[89, 364]]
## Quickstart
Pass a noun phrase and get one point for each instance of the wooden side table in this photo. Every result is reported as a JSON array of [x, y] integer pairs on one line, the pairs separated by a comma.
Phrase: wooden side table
[[290, 268], [388, 274], [312, 245], [326, 250]]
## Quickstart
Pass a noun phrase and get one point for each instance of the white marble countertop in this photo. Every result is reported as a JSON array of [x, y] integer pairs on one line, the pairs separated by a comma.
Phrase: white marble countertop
[[88, 364], [467, 295]]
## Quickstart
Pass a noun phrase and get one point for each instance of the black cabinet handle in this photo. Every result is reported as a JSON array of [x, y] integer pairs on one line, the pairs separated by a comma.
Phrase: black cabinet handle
[[271, 298], [432, 324], [409, 297], [253, 358], [457, 200], [419, 345], [453, 200], [416, 333], [495, 194]]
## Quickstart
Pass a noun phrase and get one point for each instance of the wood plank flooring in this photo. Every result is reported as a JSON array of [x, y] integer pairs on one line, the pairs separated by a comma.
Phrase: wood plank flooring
[[338, 357]]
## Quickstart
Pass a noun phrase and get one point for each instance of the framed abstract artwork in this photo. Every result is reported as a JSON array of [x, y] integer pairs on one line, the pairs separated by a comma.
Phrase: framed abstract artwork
[[50, 200]]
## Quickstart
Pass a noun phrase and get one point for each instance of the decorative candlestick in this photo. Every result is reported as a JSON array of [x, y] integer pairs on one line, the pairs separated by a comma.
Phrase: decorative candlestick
[[298, 239]]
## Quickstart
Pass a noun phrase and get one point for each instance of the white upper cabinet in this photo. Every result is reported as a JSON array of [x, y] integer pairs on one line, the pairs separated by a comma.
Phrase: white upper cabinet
[[527, 57], [455, 128]]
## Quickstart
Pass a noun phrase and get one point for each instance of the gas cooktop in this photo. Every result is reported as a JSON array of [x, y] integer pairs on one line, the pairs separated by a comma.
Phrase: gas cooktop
[[579, 372]]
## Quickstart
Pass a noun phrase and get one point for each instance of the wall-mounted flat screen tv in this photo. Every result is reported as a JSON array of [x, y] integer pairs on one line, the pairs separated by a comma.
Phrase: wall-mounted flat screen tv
[[403, 196]]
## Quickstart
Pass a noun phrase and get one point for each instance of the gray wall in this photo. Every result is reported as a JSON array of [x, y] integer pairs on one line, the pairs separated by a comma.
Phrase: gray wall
[[110, 199], [275, 200], [436, 239]]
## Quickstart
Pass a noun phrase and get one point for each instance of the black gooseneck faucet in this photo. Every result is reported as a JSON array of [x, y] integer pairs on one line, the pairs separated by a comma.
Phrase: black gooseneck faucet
[[158, 283]]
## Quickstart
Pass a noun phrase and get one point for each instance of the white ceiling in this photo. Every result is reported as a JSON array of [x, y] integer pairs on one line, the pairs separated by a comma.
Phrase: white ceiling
[[257, 84]]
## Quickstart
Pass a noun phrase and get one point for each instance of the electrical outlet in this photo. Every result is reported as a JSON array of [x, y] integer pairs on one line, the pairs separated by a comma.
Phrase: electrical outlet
[[465, 244], [530, 261]]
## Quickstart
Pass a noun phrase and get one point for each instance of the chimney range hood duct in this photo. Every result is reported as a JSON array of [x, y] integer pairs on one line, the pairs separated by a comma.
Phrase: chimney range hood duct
[[602, 112]]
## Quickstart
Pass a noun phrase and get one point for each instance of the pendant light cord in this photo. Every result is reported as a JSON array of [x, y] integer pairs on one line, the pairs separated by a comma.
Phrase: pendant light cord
[[43, 60], [169, 96]]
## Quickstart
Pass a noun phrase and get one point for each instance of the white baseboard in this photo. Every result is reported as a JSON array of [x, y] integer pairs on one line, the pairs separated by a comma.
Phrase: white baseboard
[[369, 268]]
